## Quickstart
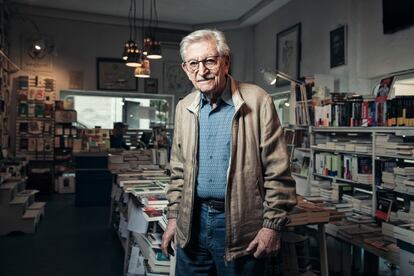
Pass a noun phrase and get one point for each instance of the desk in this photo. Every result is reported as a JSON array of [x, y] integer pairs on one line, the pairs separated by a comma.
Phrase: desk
[[321, 237], [93, 179], [371, 254]]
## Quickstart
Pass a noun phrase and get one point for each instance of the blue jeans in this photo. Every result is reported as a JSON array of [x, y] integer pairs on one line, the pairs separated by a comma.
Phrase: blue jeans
[[204, 255]]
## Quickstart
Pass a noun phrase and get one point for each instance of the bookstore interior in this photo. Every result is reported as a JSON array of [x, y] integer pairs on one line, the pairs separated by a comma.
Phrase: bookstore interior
[[88, 91]]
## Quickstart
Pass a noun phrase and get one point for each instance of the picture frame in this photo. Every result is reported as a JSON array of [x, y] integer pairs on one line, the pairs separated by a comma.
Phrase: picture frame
[[151, 85], [114, 75], [338, 46], [176, 81], [288, 53]]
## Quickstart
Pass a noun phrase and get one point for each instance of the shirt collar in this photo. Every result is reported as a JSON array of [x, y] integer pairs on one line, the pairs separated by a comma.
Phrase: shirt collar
[[225, 96]]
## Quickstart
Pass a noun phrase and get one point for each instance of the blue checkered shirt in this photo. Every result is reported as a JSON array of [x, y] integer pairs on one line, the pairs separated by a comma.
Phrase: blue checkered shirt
[[214, 145]]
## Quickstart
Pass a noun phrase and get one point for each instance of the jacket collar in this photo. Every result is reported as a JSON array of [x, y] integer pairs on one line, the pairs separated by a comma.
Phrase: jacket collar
[[237, 99]]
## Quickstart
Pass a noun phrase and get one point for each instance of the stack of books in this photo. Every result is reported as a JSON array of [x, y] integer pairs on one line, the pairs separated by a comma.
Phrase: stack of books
[[400, 230], [404, 179], [338, 189], [326, 193], [388, 180], [361, 203], [359, 230], [163, 221], [365, 148], [365, 178], [360, 218], [334, 226], [158, 262], [401, 148]]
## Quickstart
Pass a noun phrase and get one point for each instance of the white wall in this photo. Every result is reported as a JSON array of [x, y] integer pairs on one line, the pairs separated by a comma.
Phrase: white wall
[[78, 45], [370, 52]]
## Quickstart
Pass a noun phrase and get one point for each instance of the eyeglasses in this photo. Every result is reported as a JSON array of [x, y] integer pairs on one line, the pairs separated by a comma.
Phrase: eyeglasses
[[208, 62]]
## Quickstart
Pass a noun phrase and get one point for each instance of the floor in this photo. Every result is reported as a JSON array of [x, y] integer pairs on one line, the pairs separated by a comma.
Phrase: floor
[[69, 241]]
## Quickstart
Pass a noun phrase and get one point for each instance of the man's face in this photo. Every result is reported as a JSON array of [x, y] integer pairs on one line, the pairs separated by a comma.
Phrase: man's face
[[207, 77]]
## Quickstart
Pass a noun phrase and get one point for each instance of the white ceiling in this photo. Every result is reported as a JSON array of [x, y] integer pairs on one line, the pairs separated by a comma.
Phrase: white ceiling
[[187, 12]]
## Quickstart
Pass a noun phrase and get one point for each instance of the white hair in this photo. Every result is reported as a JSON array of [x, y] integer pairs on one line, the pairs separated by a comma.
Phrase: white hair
[[207, 34]]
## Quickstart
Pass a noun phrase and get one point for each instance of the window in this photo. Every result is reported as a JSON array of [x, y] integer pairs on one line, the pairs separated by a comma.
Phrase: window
[[138, 111], [282, 104]]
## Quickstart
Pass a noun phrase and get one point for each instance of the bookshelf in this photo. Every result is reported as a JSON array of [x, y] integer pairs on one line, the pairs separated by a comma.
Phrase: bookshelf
[[7, 68], [35, 117], [384, 148], [66, 142], [137, 201]]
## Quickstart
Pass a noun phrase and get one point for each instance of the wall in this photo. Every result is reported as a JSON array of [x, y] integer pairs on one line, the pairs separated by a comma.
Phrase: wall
[[78, 43], [370, 53]]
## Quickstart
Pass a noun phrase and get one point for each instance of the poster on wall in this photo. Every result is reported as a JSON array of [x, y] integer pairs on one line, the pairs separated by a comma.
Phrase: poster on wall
[[76, 79], [176, 81], [37, 59], [151, 85], [288, 53], [113, 74], [338, 46]]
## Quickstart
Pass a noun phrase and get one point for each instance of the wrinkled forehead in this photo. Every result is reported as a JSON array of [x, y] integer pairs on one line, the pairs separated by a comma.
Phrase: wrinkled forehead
[[201, 49]]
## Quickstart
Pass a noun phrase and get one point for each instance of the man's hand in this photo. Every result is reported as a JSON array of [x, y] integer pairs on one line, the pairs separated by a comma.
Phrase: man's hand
[[169, 235], [266, 241]]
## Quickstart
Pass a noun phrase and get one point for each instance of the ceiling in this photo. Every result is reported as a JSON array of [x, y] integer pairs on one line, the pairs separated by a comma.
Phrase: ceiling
[[196, 13]]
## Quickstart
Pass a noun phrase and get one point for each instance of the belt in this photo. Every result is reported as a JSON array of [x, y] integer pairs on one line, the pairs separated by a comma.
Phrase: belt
[[213, 203]]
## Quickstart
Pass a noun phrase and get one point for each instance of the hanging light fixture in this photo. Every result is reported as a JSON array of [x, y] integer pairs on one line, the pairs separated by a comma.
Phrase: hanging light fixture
[[134, 56], [132, 53], [152, 47], [144, 70], [130, 42]]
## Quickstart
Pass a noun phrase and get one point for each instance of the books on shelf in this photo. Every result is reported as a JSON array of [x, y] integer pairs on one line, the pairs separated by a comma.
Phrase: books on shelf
[[399, 230], [35, 127], [383, 209], [152, 213], [305, 214], [156, 199], [359, 230], [382, 243], [360, 218], [334, 226], [367, 111], [23, 127]]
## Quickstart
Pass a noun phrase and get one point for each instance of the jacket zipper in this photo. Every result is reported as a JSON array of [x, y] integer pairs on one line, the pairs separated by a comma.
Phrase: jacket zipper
[[226, 207], [194, 177]]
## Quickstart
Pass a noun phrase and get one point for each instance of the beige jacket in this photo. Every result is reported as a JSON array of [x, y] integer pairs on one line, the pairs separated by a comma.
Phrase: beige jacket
[[259, 188]]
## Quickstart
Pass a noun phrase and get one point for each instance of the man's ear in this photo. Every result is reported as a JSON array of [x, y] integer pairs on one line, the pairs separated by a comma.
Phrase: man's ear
[[185, 69], [227, 63]]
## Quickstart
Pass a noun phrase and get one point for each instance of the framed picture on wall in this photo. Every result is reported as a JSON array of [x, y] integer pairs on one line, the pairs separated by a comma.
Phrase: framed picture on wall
[[338, 46], [176, 81], [151, 85], [288, 53], [113, 74]]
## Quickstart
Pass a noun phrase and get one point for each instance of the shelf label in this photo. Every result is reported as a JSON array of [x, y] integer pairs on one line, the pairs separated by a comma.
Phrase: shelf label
[[404, 132]]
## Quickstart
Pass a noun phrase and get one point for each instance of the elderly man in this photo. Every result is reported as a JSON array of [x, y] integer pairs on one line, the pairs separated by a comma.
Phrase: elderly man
[[230, 183]]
